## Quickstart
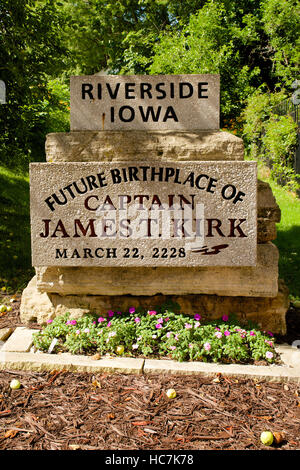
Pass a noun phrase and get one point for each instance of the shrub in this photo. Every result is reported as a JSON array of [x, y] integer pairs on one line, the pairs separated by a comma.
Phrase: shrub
[[158, 333]]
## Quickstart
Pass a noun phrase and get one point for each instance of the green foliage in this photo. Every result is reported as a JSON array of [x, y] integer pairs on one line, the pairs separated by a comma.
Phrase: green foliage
[[279, 142], [271, 138], [158, 333], [31, 51]]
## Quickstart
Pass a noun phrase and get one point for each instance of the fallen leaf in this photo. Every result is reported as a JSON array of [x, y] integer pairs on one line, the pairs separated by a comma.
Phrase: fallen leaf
[[111, 416], [140, 423], [96, 384], [74, 446], [11, 433]]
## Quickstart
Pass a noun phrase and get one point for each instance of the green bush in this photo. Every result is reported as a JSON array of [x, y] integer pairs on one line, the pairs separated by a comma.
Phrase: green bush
[[159, 333], [271, 138]]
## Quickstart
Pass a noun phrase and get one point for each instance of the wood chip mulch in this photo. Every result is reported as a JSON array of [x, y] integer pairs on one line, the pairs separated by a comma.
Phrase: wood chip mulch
[[60, 410]]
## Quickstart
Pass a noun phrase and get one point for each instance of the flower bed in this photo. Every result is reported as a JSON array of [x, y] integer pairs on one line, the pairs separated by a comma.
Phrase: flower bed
[[158, 333]]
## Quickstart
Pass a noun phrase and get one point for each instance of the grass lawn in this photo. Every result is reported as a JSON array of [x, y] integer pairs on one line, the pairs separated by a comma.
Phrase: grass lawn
[[288, 234], [15, 251]]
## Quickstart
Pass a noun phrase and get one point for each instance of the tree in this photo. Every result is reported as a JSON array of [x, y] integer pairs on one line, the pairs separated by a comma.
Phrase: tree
[[31, 51]]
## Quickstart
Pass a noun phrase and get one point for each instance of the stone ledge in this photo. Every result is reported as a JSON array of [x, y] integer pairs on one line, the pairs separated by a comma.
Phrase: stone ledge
[[46, 362], [88, 146], [289, 371], [258, 281]]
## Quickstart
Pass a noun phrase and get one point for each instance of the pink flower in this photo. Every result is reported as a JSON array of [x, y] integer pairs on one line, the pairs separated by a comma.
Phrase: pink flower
[[110, 313], [158, 325], [269, 355], [173, 348], [176, 338], [269, 343], [197, 316], [167, 319], [108, 324], [218, 334], [160, 320], [101, 319], [225, 318], [191, 345], [135, 346], [94, 323], [131, 310], [78, 332], [252, 333], [270, 333], [188, 326], [73, 322], [119, 313], [137, 320], [207, 346], [226, 333], [152, 312], [197, 323], [86, 330], [50, 320], [168, 334]]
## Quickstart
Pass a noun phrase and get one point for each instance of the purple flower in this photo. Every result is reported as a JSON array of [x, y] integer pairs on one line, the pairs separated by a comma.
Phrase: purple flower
[[119, 313], [270, 333], [110, 313], [131, 310], [225, 318], [197, 316], [137, 320], [226, 333]]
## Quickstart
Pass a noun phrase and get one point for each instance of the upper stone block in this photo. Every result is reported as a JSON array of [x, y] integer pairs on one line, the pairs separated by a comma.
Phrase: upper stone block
[[145, 102], [108, 146]]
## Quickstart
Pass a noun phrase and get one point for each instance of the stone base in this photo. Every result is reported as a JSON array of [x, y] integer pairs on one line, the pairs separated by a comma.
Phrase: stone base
[[268, 313], [256, 281]]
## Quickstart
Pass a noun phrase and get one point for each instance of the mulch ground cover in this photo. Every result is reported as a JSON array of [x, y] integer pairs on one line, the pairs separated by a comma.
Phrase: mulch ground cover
[[60, 410]]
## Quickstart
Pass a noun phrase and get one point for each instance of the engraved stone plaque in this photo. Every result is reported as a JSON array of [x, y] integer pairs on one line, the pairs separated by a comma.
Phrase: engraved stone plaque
[[145, 102], [143, 214]]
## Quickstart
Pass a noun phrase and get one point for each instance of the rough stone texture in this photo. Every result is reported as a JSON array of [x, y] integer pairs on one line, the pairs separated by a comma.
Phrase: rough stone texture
[[5, 333], [189, 105], [260, 280], [19, 341], [267, 312], [109, 146]]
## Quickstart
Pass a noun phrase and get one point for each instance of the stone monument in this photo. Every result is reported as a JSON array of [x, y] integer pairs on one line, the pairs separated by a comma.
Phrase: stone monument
[[145, 200]]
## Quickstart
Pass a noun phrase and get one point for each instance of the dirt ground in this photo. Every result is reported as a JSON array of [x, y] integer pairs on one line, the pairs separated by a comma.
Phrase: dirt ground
[[70, 411]]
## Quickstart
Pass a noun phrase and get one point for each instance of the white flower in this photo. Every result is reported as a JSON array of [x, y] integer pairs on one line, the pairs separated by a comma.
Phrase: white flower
[[135, 346], [154, 336]]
